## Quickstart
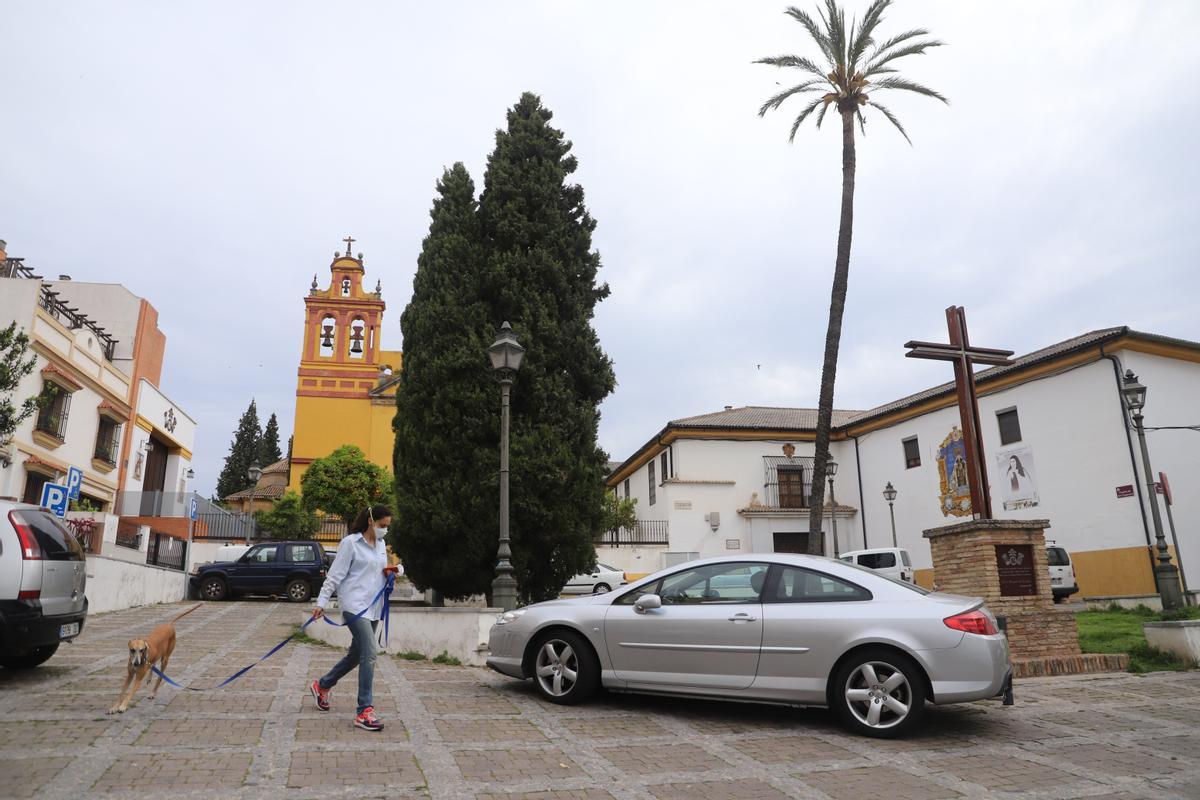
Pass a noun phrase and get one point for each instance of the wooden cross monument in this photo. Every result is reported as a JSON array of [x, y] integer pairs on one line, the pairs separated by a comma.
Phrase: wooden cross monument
[[960, 352]]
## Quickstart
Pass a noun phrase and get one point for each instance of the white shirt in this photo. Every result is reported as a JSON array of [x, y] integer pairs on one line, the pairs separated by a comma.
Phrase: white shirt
[[357, 576]]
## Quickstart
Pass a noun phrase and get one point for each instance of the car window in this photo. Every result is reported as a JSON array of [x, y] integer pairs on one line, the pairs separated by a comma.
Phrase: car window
[[715, 583], [305, 553], [904, 558], [607, 568], [912, 587], [877, 560], [52, 536], [848, 558], [796, 585], [263, 554], [629, 598], [1057, 557]]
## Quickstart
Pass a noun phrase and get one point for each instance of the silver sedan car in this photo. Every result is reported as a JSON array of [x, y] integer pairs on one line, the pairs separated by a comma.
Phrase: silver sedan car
[[791, 629]]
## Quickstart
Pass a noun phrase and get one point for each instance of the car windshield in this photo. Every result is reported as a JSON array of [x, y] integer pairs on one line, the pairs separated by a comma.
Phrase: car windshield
[[912, 587], [607, 568]]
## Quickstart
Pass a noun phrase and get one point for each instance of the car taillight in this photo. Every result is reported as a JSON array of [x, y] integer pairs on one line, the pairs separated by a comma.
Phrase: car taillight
[[30, 549], [972, 622], [30, 594]]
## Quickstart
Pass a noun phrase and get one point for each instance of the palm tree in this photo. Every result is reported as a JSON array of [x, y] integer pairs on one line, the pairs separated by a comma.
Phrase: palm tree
[[852, 70]]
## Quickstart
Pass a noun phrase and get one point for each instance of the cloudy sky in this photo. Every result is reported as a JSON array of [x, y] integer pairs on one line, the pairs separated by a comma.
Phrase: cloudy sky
[[211, 156]]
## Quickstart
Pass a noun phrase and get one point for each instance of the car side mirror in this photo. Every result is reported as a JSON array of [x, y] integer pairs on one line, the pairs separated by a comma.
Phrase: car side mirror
[[647, 602]]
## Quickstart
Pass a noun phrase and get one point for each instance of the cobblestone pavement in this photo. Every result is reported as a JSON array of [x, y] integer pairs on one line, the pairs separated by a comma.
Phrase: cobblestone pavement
[[468, 733]]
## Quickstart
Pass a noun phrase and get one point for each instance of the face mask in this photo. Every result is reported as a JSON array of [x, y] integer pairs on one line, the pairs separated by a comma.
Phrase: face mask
[[381, 532]]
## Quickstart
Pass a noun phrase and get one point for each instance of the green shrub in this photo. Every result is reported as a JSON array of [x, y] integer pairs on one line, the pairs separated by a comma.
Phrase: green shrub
[[446, 658], [412, 655]]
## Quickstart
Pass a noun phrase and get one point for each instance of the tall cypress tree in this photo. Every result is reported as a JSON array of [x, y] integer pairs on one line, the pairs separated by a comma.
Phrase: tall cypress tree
[[244, 450], [525, 256], [269, 447], [445, 528]]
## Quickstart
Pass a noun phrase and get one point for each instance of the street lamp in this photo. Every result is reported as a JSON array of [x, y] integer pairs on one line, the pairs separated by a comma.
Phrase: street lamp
[[830, 471], [1166, 574], [889, 494], [254, 473], [506, 355]]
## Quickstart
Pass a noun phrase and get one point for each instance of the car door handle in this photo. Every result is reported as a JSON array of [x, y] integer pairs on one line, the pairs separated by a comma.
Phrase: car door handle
[[742, 618]]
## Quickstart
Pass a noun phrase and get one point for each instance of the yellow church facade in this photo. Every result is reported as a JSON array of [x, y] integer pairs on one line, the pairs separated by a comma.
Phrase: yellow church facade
[[346, 383]]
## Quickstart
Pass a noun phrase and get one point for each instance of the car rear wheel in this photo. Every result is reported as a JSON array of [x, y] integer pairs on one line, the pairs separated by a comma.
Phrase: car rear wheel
[[298, 591], [601, 588], [565, 669], [213, 589], [31, 659], [879, 693]]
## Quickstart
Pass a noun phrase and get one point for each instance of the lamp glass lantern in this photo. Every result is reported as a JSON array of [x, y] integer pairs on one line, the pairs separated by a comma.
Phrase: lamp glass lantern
[[889, 492], [254, 473], [1133, 391], [831, 468], [190, 474], [506, 352]]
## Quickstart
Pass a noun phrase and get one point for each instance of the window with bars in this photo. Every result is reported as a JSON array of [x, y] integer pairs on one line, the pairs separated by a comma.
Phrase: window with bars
[[1010, 426], [787, 481], [912, 453], [791, 487], [627, 488], [55, 405], [650, 474], [664, 467], [107, 437]]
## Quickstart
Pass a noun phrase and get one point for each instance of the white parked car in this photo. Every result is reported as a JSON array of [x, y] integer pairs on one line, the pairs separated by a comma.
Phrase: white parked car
[[890, 561], [600, 580], [1062, 572]]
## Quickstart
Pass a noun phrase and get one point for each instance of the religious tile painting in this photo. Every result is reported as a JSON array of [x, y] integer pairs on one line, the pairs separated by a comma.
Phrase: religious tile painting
[[952, 474], [1017, 479]]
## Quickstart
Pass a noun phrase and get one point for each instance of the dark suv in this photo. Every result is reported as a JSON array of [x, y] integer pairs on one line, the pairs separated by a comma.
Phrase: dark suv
[[43, 575], [293, 569]]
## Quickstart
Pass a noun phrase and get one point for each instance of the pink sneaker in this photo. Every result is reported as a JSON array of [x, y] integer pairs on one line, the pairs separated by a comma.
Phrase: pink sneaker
[[321, 695], [368, 721]]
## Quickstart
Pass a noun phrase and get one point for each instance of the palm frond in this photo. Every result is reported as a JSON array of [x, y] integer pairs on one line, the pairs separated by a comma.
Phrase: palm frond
[[906, 85], [835, 23], [821, 115], [892, 119], [793, 61], [899, 39], [814, 30], [800, 119], [776, 101], [862, 38], [862, 123], [915, 49]]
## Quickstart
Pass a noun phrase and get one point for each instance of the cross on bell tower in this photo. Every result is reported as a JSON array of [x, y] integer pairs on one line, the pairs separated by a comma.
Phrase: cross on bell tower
[[349, 240]]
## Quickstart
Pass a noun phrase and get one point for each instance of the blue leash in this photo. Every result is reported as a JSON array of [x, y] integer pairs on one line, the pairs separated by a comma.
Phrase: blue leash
[[385, 593]]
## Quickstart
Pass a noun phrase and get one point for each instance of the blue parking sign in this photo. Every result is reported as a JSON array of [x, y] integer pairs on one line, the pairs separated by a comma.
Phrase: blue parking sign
[[194, 509], [74, 480], [54, 497]]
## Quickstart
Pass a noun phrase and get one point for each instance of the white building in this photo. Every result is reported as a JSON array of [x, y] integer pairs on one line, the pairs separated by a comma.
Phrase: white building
[[1058, 444]]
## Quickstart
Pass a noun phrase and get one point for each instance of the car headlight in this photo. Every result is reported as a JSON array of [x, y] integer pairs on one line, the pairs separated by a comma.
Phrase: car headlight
[[510, 616]]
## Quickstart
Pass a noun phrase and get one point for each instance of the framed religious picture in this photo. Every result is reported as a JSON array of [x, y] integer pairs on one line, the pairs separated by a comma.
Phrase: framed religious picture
[[1017, 478], [955, 500]]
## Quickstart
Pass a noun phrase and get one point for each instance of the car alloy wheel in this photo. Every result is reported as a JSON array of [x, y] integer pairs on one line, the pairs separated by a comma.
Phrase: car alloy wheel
[[557, 667], [213, 589], [298, 591], [879, 693], [601, 588]]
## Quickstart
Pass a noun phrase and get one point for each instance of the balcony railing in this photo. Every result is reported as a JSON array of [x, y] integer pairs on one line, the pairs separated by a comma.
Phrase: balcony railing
[[787, 482], [645, 532]]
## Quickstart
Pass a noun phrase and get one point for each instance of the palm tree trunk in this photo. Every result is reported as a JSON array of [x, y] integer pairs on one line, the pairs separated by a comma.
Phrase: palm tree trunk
[[833, 335]]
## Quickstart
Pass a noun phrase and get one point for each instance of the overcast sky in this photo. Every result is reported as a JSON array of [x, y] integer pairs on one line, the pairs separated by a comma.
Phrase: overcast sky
[[211, 156]]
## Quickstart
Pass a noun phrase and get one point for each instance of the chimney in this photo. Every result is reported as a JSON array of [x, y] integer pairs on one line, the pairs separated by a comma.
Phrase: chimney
[[3, 249], [729, 408]]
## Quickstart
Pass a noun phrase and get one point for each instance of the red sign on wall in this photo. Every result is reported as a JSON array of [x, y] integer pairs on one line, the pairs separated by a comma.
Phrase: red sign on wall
[[1125, 491]]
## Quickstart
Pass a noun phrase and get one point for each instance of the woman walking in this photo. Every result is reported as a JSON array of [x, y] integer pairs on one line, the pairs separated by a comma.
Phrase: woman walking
[[357, 574]]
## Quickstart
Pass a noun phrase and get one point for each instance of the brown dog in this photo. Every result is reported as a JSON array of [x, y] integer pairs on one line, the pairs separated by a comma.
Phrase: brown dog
[[158, 646]]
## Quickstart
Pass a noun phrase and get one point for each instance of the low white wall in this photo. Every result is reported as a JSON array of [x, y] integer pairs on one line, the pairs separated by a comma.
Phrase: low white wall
[[1181, 638], [638, 560], [113, 584], [460, 632]]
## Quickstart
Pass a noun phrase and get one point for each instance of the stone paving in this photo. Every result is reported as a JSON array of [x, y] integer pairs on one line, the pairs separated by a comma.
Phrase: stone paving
[[468, 733]]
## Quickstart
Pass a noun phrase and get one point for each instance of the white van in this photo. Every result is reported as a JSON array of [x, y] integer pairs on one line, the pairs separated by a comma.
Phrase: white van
[[1062, 572], [891, 561]]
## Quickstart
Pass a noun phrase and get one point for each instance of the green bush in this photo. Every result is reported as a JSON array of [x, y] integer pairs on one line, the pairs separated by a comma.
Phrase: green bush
[[412, 655], [446, 658]]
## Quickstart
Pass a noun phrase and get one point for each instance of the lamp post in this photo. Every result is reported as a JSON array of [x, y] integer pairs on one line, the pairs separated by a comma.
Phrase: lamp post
[[889, 494], [189, 476], [1166, 574], [506, 354], [254, 473], [831, 470]]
